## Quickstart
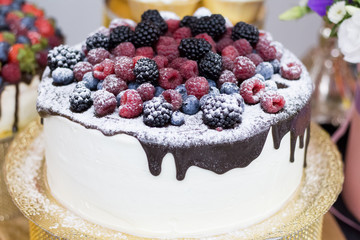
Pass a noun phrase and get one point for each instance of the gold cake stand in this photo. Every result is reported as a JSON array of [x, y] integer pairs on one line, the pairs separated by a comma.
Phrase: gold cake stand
[[300, 218]]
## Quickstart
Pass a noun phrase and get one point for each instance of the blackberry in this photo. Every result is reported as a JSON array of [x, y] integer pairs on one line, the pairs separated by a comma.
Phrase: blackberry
[[188, 21], [247, 31], [63, 56], [146, 34], [146, 70], [80, 98], [194, 48], [224, 111], [154, 16], [210, 66], [157, 112], [120, 34], [97, 40], [213, 25]]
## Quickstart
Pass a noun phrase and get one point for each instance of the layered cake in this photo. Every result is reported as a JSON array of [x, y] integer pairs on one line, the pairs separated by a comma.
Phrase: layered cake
[[26, 35], [176, 128]]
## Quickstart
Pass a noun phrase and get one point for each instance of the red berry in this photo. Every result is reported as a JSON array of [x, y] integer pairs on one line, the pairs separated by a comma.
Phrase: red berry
[[41, 58], [174, 98], [5, 2], [243, 46], [265, 50], [124, 69], [223, 43], [114, 84], [14, 52], [177, 62], [97, 55], [12, 18], [230, 52], [227, 76], [197, 86], [11, 73], [181, 33], [251, 90], [161, 61], [209, 39], [244, 68], [103, 69], [55, 41], [173, 25], [167, 41], [255, 58], [272, 102], [34, 37], [124, 49], [291, 71], [169, 78], [146, 91], [32, 9], [227, 63], [131, 104], [171, 52], [104, 103], [189, 69], [145, 51], [44, 27], [80, 69]]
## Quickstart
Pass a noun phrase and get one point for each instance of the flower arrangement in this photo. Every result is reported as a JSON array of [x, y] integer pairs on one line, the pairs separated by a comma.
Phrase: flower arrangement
[[344, 16]]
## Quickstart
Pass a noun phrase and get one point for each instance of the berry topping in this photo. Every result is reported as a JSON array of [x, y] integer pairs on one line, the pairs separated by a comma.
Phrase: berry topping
[[169, 78], [222, 111], [103, 69], [182, 90], [114, 84], [243, 47], [193, 48], [266, 51], [244, 68], [90, 82], [11, 73], [213, 25], [80, 99], [146, 70], [197, 86], [251, 90], [145, 52], [62, 76], [189, 69], [276, 65], [146, 34], [161, 61], [291, 71], [227, 63], [188, 21], [181, 33], [131, 104], [177, 118], [97, 55], [44, 27], [124, 49], [174, 98], [63, 56], [272, 102], [265, 69], [157, 112], [173, 25], [247, 31], [104, 103], [223, 43], [177, 63], [229, 88], [80, 69], [171, 51], [209, 39], [210, 65], [191, 105], [146, 91], [226, 76], [124, 69], [154, 17], [119, 35], [230, 52], [255, 58], [97, 40]]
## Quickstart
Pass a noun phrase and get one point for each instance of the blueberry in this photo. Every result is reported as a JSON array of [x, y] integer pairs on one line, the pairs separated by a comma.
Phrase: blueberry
[[118, 97], [214, 91], [158, 91], [23, 39], [182, 90], [28, 22], [62, 76], [229, 88], [212, 83], [90, 82], [276, 65], [100, 85], [260, 77], [265, 69], [5, 9], [16, 6], [177, 118], [204, 98], [4, 49], [190, 105], [3, 25], [1, 81], [133, 85]]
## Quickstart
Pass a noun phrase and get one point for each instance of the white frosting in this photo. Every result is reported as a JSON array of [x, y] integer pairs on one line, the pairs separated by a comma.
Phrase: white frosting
[[107, 181], [27, 105]]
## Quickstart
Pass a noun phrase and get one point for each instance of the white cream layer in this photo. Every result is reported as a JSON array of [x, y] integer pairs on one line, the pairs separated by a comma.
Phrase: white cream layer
[[106, 180], [27, 105]]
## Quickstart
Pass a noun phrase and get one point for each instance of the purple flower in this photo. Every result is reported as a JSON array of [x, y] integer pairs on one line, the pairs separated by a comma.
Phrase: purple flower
[[319, 6]]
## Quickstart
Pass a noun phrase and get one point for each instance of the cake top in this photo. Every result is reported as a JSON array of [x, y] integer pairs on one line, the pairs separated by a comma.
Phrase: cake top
[[26, 35], [161, 80]]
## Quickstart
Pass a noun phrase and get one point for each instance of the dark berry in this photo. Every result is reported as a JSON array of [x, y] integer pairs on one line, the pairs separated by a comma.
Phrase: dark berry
[[99, 86], [177, 118], [119, 35], [291, 71], [146, 91], [214, 91], [209, 39], [103, 69], [104, 103], [146, 34], [90, 82], [157, 112], [97, 55], [182, 90], [265, 69], [247, 31], [133, 85], [97, 40], [114, 84], [251, 90], [188, 21], [191, 105], [124, 69], [276, 65], [131, 104], [169, 78], [118, 98], [62, 76], [229, 88], [174, 98], [193, 48], [4, 49], [80, 99], [158, 91], [213, 25], [210, 65], [63, 56], [212, 83], [80, 69], [197, 86], [244, 68], [272, 102], [146, 70], [154, 17]]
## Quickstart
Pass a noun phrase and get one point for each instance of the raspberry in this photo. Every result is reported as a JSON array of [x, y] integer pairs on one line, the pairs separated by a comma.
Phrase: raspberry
[[243, 47], [167, 41], [169, 78], [114, 84], [266, 51], [124, 49], [272, 102], [35, 37], [146, 91], [80, 99], [197, 86], [44, 27], [181, 33], [157, 112], [131, 104], [193, 48], [227, 63], [174, 98], [251, 90], [171, 52], [244, 68], [146, 70], [124, 69], [210, 65], [223, 43], [230, 52], [247, 31], [104, 103], [189, 69], [291, 71], [97, 55], [161, 61], [227, 76], [41, 58], [145, 51], [173, 25], [103, 69], [207, 38], [11, 73], [177, 62], [80, 69], [255, 58]]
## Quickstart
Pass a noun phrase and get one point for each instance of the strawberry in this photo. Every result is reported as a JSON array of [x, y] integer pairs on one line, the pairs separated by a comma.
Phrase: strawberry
[[5, 2], [32, 9], [14, 51], [44, 27]]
